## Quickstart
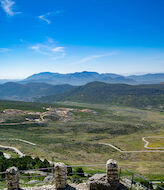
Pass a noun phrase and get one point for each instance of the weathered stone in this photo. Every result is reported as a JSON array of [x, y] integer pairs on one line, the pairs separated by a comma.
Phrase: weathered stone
[[106, 181], [33, 182], [112, 172], [49, 178], [98, 182], [12, 178], [60, 176]]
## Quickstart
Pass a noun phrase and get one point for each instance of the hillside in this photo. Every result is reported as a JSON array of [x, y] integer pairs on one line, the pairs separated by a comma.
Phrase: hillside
[[115, 94], [27, 92], [82, 78], [94, 92], [79, 140]]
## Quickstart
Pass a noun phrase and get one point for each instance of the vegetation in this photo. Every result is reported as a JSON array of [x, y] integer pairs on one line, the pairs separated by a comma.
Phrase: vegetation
[[24, 163], [76, 141], [161, 185], [30, 106], [28, 92], [140, 96]]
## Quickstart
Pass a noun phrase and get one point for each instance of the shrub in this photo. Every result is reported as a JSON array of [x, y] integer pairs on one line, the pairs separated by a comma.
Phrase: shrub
[[79, 172]]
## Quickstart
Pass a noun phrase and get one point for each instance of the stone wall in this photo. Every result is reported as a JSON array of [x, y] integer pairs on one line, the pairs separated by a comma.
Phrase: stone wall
[[108, 181]]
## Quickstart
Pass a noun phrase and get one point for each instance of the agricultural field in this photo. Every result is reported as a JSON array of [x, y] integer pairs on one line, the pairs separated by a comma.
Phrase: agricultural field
[[79, 138]]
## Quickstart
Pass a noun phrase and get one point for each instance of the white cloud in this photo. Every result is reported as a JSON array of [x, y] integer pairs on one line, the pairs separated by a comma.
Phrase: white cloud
[[35, 47], [45, 17], [3, 50], [95, 56], [58, 49], [49, 49], [8, 7]]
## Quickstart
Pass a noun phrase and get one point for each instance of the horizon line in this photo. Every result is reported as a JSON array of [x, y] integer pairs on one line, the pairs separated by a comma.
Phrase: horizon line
[[121, 74]]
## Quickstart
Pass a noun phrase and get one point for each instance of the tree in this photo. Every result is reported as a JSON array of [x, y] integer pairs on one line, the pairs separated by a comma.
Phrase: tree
[[69, 170], [1, 153], [79, 172]]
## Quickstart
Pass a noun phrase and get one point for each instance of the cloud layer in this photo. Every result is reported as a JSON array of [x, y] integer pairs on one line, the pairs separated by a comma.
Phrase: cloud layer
[[8, 7], [95, 56], [45, 17], [49, 49]]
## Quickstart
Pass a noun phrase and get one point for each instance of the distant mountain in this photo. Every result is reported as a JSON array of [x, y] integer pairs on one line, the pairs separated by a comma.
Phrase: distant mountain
[[148, 78], [82, 78], [79, 78], [114, 94], [2, 81], [30, 91]]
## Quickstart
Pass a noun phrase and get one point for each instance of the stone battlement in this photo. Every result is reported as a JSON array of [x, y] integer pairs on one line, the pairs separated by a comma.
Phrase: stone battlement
[[108, 181]]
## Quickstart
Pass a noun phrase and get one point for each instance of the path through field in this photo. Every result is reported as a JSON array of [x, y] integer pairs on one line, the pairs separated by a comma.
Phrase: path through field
[[107, 144], [147, 142], [13, 148], [16, 150], [137, 151]]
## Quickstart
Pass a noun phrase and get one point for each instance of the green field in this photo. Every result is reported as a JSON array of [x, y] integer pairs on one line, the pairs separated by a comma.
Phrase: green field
[[156, 142], [76, 141]]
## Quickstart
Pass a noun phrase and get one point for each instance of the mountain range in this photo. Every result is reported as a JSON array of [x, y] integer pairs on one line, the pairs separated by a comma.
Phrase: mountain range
[[82, 78], [113, 94], [89, 87], [93, 92]]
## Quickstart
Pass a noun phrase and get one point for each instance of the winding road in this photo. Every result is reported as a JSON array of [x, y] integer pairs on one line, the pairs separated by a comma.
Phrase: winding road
[[17, 151], [137, 151], [12, 149], [106, 144], [21, 140], [147, 142]]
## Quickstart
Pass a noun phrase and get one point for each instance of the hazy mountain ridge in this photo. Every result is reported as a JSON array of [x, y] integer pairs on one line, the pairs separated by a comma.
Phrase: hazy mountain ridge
[[78, 78], [2, 81], [148, 78], [82, 78], [39, 87], [30, 91], [115, 94]]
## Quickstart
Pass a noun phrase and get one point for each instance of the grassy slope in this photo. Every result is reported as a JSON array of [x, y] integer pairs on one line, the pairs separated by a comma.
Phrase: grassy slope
[[74, 142], [115, 94]]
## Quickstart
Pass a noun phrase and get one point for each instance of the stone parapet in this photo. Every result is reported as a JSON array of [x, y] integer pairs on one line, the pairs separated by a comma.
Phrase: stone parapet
[[12, 178], [112, 172], [60, 176]]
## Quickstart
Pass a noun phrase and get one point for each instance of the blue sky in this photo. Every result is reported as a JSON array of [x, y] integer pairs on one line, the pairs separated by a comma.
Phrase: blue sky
[[115, 36]]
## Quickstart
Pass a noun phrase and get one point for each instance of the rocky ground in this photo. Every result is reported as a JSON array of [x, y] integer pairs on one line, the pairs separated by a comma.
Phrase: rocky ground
[[52, 187]]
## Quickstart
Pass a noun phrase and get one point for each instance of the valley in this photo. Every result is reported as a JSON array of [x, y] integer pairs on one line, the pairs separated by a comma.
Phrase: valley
[[81, 95], [80, 135]]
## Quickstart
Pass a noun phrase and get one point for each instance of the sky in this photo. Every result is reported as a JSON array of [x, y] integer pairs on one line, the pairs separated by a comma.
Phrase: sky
[[107, 36]]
